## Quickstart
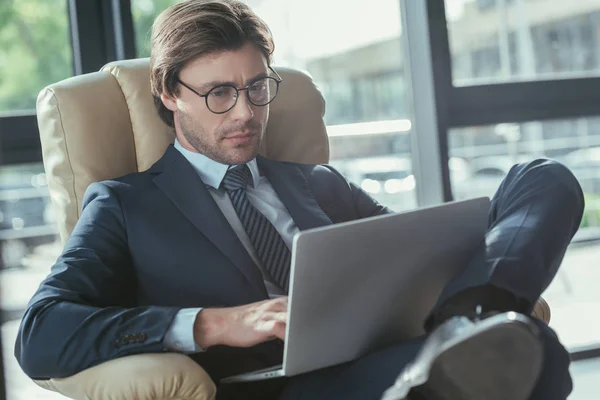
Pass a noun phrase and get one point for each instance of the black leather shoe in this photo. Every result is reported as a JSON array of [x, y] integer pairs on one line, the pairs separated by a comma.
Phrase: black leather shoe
[[489, 299], [497, 358]]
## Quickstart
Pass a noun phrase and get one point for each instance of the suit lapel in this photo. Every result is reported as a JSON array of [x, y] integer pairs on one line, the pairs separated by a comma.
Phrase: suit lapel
[[293, 190], [174, 175]]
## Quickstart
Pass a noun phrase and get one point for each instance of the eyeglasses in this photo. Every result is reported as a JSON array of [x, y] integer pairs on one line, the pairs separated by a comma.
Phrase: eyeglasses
[[223, 98]]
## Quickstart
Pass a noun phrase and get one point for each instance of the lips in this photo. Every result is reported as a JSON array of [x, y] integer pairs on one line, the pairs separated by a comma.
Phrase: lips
[[240, 135], [240, 138]]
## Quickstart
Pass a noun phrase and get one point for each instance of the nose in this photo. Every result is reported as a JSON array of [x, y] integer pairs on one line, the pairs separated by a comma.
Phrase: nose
[[243, 110]]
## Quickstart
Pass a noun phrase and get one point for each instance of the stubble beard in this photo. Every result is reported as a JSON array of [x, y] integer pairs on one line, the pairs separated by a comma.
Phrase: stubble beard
[[197, 138]]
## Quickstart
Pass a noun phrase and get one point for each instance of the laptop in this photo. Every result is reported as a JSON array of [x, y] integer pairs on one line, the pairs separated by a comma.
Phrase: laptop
[[362, 285]]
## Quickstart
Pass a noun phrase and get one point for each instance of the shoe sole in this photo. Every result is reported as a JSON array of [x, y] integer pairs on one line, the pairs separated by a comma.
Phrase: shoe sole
[[501, 363]]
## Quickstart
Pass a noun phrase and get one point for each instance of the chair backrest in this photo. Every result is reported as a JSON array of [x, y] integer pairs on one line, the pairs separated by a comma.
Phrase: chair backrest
[[104, 125]]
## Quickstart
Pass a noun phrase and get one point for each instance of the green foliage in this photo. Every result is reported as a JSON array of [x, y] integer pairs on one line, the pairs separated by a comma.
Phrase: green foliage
[[35, 50], [144, 12], [591, 215]]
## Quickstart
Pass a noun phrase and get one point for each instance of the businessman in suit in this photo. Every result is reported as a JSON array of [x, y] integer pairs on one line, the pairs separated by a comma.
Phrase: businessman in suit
[[193, 255]]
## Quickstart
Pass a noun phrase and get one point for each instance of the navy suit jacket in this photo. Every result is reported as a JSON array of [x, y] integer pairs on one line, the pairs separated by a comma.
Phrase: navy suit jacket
[[151, 243]]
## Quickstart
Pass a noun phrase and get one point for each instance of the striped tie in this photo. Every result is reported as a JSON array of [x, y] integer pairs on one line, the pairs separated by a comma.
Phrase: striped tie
[[269, 246]]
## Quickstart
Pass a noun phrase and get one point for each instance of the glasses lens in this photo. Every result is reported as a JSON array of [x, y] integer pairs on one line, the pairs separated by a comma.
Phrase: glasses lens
[[221, 98], [263, 91]]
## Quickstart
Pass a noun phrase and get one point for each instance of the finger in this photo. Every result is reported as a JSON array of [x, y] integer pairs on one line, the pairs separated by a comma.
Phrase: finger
[[278, 330], [279, 304], [274, 324], [277, 316], [280, 324], [270, 319], [280, 316]]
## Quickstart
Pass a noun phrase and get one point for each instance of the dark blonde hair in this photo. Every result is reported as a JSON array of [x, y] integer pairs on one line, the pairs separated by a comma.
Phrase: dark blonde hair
[[195, 28]]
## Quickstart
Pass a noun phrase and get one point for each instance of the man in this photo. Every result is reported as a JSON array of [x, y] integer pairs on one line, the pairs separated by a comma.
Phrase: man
[[193, 255]]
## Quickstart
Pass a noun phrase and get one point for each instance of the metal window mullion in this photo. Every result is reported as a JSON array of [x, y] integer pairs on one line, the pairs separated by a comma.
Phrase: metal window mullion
[[524, 101], [75, 44], [101, 32], [425, 132], [118, 29], [123, 29], [19, 139]]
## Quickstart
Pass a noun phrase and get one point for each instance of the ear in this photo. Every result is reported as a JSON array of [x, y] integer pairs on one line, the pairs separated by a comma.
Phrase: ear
[[169, 101]]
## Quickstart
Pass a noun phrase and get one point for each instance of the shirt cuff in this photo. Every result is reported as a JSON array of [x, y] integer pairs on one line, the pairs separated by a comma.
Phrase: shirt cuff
[[180, 336]]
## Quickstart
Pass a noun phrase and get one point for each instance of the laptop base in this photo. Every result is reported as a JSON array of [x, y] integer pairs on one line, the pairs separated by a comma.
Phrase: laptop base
[[275, 371]]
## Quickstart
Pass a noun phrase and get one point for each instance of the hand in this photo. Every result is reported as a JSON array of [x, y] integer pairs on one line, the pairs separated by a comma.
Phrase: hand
[[242, 326]]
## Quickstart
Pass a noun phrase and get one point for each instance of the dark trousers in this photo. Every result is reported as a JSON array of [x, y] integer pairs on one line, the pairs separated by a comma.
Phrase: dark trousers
[[533, 216]]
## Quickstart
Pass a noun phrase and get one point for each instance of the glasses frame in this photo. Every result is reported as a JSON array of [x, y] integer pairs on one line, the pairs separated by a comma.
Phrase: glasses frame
[[277, 80]]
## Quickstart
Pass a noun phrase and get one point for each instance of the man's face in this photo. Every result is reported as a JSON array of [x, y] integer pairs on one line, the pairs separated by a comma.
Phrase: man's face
[[235, 136]]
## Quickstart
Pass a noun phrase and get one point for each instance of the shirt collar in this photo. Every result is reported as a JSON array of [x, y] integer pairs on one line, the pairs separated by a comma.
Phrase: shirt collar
[[212, 172]]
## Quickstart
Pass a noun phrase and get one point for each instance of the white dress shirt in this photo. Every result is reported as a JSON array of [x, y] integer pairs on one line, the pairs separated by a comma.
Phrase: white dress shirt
[[180, 336]]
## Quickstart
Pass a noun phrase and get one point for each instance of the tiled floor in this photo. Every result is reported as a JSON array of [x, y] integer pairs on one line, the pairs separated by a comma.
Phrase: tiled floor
[[574, 298]]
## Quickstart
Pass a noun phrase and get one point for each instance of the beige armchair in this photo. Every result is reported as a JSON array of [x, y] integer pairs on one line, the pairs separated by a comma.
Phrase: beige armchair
[[104, 125]]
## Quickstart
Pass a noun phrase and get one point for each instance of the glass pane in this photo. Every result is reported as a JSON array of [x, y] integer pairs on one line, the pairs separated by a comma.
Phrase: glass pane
[[358, 67], [488, 152], [35, 50], [144, 12], [360, 73], [29, 245], [515, 40]]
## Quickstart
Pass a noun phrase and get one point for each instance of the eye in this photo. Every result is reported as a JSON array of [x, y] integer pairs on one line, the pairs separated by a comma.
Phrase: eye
[[258, 86], [219, 92], [223, 92]]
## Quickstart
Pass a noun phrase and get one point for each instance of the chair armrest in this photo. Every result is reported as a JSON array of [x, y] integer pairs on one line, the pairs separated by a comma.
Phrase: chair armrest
[[167, 376]]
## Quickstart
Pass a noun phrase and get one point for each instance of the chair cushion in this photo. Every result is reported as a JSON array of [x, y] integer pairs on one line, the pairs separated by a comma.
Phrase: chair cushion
[[85, 133], [166, 376]]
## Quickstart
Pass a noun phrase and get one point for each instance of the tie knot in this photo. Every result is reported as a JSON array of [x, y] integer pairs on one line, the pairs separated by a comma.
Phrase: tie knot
[[236, 178]]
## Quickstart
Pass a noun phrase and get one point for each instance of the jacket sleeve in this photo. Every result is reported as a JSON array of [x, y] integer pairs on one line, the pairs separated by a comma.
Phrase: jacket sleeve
[[83, 313], [341, 199]]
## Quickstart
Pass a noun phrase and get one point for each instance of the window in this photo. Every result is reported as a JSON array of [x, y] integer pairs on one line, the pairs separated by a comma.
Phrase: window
[[489, 152], [26, 217], [515, 40], [144, 12], [358, 66], [34, 50], [28, 234], [29, 245]]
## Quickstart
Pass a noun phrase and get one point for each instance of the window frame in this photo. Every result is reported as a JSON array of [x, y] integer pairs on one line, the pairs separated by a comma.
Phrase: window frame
[[488, 104], [100, 32]]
